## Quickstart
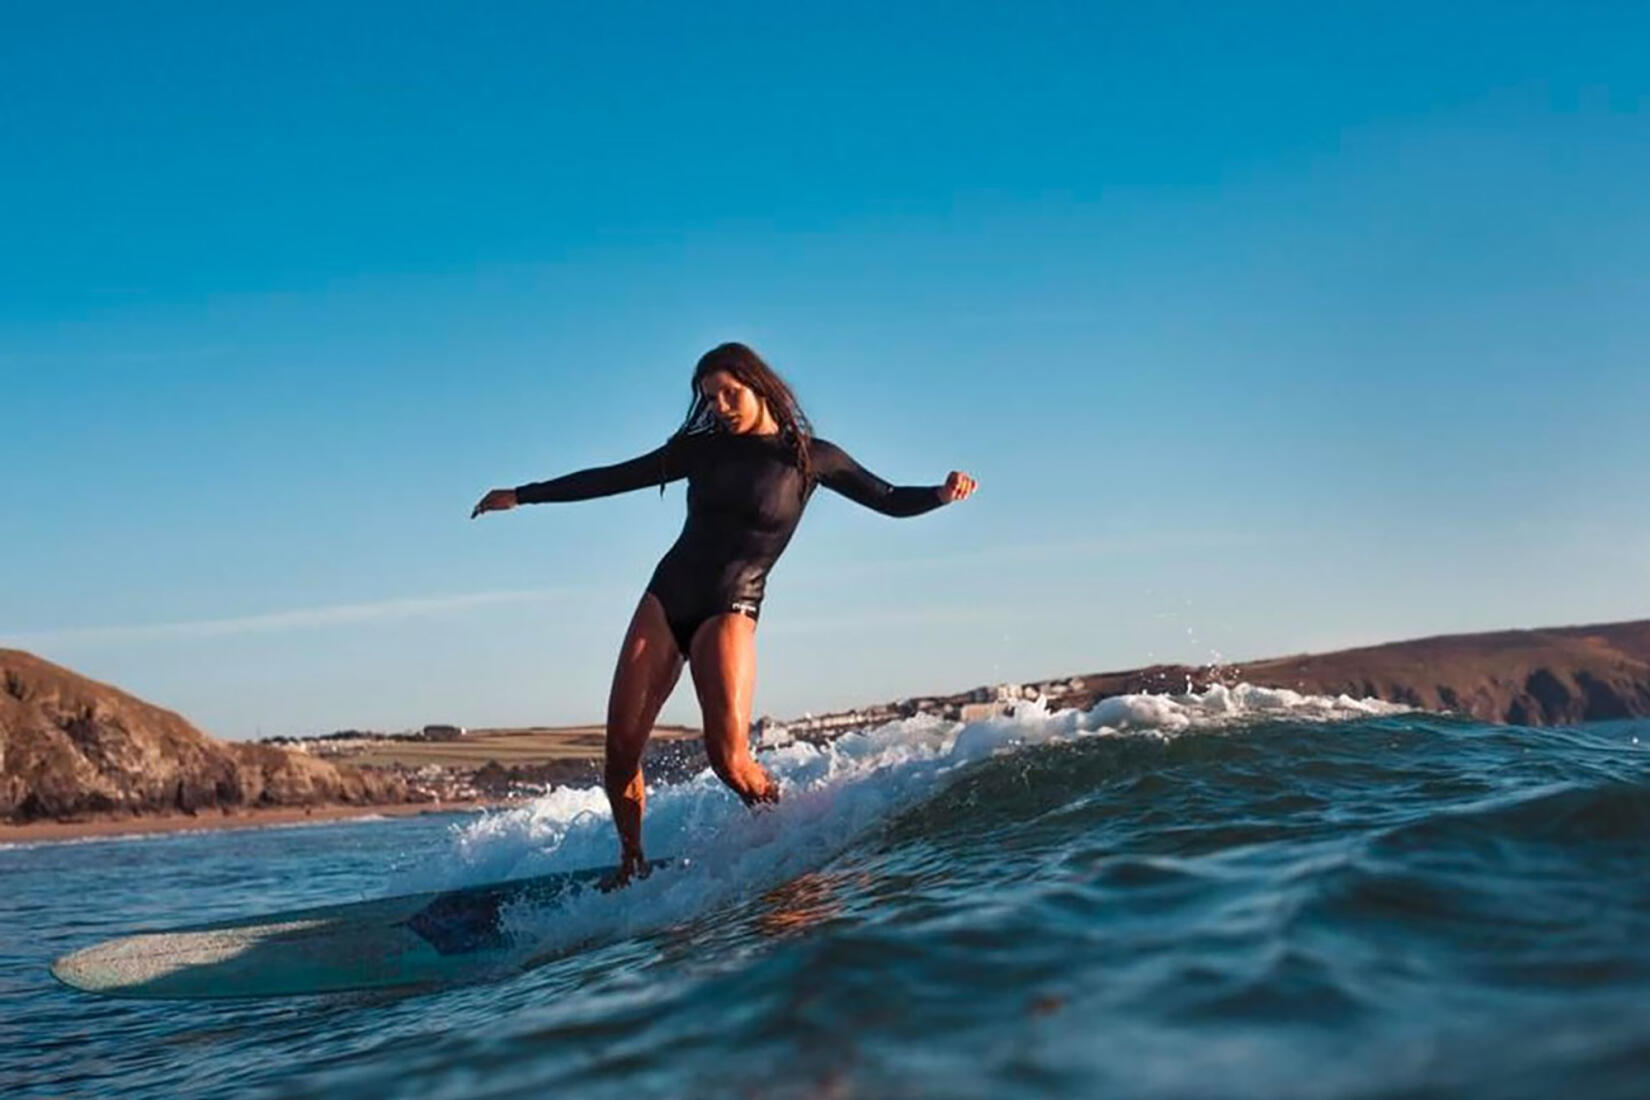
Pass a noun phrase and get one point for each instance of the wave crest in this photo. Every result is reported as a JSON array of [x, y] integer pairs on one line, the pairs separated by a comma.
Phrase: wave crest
[[832, 795]]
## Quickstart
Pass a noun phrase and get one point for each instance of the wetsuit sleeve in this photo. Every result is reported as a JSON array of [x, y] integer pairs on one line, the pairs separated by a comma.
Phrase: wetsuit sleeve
[[658, 466], [835, 470]]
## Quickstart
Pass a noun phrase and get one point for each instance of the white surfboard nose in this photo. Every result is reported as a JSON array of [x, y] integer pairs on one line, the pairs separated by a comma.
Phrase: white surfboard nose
[[133, 963]]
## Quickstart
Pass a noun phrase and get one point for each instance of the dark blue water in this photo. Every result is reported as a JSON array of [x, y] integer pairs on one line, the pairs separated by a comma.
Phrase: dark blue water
[[1228, 895]]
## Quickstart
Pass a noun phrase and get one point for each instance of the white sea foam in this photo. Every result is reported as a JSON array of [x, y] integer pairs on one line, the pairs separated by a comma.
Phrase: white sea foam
[[833, 794], [113, 838]]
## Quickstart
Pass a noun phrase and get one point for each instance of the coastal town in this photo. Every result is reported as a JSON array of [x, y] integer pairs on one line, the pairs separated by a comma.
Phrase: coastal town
[[447, 763], [1552, 676]]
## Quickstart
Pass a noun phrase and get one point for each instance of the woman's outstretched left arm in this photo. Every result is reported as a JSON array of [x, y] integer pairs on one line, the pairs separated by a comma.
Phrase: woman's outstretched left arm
[[836, 470]]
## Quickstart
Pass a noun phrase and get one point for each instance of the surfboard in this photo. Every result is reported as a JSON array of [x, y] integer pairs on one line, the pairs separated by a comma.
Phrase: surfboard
[[399, 943]]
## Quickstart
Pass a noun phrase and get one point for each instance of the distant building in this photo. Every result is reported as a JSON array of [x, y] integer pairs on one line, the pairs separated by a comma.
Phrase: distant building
[[1007, 693], [976, 712], [770, 732], [443, 733]]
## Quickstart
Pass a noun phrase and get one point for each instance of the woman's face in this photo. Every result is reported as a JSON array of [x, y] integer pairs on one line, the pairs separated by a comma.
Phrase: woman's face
[[735, 404]]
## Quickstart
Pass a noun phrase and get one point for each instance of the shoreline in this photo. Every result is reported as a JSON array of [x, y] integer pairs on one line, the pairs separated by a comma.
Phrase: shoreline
[[35, 832]]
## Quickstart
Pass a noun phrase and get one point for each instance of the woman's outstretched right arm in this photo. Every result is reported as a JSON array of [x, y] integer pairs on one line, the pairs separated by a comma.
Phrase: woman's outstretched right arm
[[658, 466]]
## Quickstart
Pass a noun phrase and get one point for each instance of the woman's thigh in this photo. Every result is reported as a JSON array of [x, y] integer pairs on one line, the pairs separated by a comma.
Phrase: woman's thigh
[[648, 667], [724, 675]]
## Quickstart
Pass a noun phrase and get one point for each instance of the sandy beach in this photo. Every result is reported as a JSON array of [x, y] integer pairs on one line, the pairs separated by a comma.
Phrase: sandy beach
[[36, 831]]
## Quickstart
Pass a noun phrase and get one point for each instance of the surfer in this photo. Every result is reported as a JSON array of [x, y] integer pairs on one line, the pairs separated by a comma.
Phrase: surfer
[[751, 462]]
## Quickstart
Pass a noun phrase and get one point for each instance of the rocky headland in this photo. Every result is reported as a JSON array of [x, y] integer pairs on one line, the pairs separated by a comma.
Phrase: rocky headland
[[71, 747], [1553, 676]]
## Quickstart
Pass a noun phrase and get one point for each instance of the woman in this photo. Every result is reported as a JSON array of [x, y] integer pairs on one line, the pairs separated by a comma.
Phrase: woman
[[751, 462]]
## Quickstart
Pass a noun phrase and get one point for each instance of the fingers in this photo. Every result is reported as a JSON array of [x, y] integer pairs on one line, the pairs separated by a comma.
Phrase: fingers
[[496, 500], [959, 486]]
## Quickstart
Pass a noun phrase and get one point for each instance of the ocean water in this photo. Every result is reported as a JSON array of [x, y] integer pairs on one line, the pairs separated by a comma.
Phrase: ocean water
[[1240, 893]]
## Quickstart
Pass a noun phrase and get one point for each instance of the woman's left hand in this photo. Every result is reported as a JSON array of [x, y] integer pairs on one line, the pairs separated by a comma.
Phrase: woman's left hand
[[958, 486]]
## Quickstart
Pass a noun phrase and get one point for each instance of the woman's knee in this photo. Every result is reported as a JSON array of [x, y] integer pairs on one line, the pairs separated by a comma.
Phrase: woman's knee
[[624, 751]]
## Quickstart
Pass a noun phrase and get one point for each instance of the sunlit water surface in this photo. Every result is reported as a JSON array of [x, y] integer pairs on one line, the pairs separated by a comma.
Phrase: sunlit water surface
[[1233, 894]]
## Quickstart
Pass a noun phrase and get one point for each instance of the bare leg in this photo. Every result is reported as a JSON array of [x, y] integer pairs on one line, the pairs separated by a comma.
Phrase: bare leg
[[649, 665], [724, 675]]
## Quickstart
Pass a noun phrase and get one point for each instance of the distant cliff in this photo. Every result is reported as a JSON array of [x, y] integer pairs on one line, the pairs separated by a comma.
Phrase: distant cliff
[[71, 747], [1528, 677]]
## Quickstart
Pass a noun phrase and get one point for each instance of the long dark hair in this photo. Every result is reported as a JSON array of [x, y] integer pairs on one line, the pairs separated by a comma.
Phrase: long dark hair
[[745, 365]]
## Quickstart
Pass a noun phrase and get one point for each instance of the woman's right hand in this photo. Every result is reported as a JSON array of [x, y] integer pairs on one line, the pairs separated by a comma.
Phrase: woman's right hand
[[496, 500]]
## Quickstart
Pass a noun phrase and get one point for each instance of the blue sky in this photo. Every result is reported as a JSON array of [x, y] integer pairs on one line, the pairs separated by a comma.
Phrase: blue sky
[[1265, 327]]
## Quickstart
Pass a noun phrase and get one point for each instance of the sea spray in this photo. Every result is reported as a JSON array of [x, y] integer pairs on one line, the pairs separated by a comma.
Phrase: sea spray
[[833, 794]]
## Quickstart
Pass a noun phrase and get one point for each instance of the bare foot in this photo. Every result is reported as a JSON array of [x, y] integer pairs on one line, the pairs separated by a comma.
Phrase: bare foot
[[763, 793], [632, 865]]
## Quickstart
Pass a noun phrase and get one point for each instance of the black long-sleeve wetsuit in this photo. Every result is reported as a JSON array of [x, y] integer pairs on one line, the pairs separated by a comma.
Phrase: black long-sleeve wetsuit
[[745, 497]]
